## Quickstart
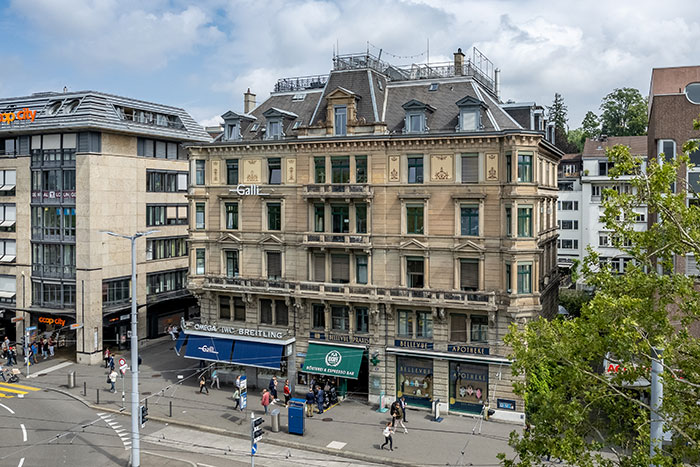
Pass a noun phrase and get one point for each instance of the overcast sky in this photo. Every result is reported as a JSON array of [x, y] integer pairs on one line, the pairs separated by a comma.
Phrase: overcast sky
[[202, 55]]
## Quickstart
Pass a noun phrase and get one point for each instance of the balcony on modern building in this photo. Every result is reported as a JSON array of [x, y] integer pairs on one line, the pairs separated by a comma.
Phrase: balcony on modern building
[[345, 240], [338, 191], [329, 291]]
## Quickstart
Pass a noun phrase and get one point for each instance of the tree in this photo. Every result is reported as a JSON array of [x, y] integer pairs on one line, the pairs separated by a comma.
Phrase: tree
[[590, 125], [624, 113], [584, 414], [556, 113], [576, 139]]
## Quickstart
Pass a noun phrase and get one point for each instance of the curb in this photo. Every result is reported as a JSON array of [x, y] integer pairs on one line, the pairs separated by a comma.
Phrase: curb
[[221, 431]]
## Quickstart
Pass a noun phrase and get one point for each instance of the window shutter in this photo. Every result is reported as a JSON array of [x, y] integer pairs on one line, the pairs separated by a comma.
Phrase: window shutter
[[470, 169], [458, 328], [274, 265], [469, 275], [281, 313], [691, 267], [266, 311], [340, 268], [320, 268]]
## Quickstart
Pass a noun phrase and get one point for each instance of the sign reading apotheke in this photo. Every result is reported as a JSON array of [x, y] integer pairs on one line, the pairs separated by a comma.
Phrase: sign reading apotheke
[[247, 332], [468, 349]]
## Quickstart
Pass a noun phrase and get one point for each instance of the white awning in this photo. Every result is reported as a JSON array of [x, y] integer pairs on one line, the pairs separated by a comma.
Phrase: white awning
[[4, 294], [9, 223], [7, 258], [7, 187]]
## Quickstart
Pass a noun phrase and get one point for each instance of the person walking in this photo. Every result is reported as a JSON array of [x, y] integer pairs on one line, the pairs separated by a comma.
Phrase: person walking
[[402, 404], [52, 346], [237, 398], [112, 378], [273, 389], [387, 437], [45, 348], [111, 362], [265, 399], [203, 384], [320, 399], [310, 400], [33, 352], [173, 332], [12, 357], [5, 346], [287, 393], [398, 415], [238, 383], [106, 357], [215, 379]]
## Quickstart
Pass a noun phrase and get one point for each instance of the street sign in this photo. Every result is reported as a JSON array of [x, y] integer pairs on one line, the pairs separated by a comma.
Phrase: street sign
[[244, 392], [254, 449], [256, 439], [122, 365], [244, 400], [16, 319], [76, 326]]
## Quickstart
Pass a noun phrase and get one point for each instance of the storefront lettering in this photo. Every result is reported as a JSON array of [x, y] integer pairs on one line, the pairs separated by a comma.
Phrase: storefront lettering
[[404, 344], [248, 190], [208, 349], [344, 338], [469, 349], [56, 321], [236, 331], [24, 114]]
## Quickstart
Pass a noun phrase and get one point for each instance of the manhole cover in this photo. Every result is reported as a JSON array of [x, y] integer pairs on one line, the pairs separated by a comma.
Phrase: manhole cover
[[41, 374], [157, 375], [328, 419], [145, 393]]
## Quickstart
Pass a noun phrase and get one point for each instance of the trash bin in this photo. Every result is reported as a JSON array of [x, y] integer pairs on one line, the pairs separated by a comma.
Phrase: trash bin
[[71, 380], [275, 420], [295, 415]]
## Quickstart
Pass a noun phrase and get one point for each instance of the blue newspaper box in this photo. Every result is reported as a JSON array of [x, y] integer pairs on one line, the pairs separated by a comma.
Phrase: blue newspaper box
[[295, 414]]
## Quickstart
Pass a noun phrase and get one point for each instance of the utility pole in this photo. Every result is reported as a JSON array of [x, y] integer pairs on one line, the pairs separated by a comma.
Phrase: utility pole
[[135, 398], [657, 394], [255, 436]]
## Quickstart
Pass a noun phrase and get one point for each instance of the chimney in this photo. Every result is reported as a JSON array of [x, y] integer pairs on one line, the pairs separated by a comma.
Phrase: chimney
[[497, 83], [248, 101], [459, 62]]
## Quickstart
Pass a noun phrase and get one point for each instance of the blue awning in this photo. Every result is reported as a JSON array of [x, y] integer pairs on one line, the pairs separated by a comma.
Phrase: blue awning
[[209, 348], [180, 342], [257, 354]]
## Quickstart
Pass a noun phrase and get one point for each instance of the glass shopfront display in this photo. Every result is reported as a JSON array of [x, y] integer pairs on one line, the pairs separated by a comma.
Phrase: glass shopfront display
[[414, 380], [468, 386]]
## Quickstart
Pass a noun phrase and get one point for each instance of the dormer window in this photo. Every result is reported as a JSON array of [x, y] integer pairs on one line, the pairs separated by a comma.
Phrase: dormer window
[[433, 87], [340, 120], [470, 114], [232, 125], [416, 121], [275, 122], [233, 131], [274, 129]]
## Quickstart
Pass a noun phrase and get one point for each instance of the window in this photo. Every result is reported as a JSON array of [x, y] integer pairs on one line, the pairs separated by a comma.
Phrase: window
[[524, 278], [414, 123], [340, 318], [231, 263], [199, 171], [603, 240], [340, 269], [469, 119], [200, 258], [458, 328], [232, 171], [231, 216], [360, 169], [361, 269], [319, 217], [156, 181], [433, 87], [509, 222], [115, 291], [568, 244], [166, 281], [224, 307], [566, 186], [8, 250], [274, 129], [415, 169], [274, 216], [524, 167], [340, 218], [524, 222], [568, 205], [509, 167], [319, 267], [568, 225], [470, 168], [361, 320], [361, 218], [238, 309], [265, 311], [405, 322], [340, 170], [640, 218], [319, 316], [233, 132], [274, 265], [692, 92], [469, 274], [424, 327], [479, 328], [274, 170], [281, 313], [414, 219], [415, 272], [469, 220], [319, 170], [163, 248], [199, 215], [509, 277], [604, 167], [160, 149], [340, 114]]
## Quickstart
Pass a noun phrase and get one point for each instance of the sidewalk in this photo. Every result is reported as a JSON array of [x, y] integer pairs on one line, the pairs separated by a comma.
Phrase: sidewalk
[[354, 426]]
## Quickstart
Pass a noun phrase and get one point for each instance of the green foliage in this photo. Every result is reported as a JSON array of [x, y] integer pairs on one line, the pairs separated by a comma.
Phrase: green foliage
[[576, 139], [624, 113], [590, 125], [573, 300], [556, 113], [582, 414]]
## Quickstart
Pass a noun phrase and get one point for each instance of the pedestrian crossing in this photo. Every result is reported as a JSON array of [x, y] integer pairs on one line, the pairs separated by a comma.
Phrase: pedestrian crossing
[[10, 390], [123, 434]]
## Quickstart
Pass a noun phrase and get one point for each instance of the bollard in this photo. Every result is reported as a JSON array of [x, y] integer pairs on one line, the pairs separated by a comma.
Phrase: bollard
[[171, 408], [275, 421], [145, 403], [84, 389], [98, 397], [71, 380]]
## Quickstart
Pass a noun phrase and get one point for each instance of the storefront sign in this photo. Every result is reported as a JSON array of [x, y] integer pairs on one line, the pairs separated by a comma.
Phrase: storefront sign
[[267, 333], [248, 190], [24, 114], [57, 321], [406, 344], [505, 404], [468, 349], [344, 338]]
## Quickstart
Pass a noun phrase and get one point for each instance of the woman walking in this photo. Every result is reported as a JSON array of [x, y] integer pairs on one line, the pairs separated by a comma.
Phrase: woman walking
[[287, 393], [387, 437], [106, 357], [265, 399], [237, 398], [203, 384], [52, 346]]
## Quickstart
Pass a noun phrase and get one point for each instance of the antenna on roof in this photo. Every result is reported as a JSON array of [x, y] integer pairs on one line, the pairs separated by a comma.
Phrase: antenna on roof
[[427, 60]]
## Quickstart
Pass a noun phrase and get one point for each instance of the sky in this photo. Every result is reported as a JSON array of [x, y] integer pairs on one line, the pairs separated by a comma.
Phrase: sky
[[203, 55]]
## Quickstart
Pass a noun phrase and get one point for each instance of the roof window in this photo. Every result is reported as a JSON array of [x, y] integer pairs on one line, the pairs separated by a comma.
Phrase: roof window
[[254, 127], [433, 87], [297, 124], [298, 97], [692, 92], [53, 107]]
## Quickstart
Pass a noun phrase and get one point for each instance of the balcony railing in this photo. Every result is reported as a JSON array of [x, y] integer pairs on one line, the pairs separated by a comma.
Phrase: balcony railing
[[338, 191], [402, 295], [344, 239]]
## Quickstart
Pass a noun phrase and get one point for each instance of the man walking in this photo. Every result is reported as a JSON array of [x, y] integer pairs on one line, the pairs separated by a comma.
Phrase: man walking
[[112, 379], [320, 399], [387, 437], [402, 404], [265, 402], [5, 347], [273, 388], [215, 379], [310, 400]]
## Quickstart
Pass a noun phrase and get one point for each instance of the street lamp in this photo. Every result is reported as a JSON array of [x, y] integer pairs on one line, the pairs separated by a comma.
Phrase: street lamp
[[135, 397]]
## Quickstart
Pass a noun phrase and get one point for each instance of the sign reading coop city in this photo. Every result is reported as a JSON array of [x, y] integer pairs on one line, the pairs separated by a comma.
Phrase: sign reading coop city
[[267, 333], [56, 321], [24, 114]]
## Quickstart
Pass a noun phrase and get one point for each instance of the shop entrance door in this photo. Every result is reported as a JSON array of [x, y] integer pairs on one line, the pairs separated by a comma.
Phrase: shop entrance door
[[358, 388]]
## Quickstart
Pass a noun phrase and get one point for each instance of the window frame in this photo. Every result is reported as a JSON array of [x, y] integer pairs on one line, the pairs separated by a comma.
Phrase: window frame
[[415, 229], [340, 125], [410, 274], [200, 261], [524, 278], [468, 230], [521, 218], [412, 163], [525, 174]]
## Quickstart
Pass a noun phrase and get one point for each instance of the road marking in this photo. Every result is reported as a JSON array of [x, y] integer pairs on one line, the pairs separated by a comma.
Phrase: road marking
[[124, 436], [50, 369], [21, 462], [11, 390], [336, 445], [19, 386], [24, 432], [5, 396], [8, 409]]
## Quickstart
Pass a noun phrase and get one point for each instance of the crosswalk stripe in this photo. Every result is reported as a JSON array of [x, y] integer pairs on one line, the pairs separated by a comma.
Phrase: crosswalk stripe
[[20, 386], [5, 396], [13, 391]]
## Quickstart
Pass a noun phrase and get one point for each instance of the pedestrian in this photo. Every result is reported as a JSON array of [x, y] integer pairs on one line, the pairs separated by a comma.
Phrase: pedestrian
[[111, 362], [215, 378], [237, 398], [112, 378], [34, 351], [320, 399], [310, 400], [203, 384], [402, 404], [287, 393], [238, 382], [265, 399], [52, 346], [387, 437], [46, 349], [398, 415], [12, 358], [173, 332], [106, 357], [273, 388], [5, 346]]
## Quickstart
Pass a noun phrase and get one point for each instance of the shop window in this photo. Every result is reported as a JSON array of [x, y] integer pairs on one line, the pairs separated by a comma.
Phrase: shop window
[[238, 309], [340, 269], [224, 307], [415, 272], [340, 169], [319, 316], [405, 322], [274, 265], [360, 169], [319, 217], [340, 318], [281, 313], [424, 324], [414, 380], [361, 218], [361, 320], [479, 328], [319, 170], [469, 274], [458, 328], [468, 386], [265, 311], [232, 171]]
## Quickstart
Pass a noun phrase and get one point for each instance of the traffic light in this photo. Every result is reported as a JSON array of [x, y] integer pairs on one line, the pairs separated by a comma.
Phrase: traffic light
[[255, 432], [144, 415]]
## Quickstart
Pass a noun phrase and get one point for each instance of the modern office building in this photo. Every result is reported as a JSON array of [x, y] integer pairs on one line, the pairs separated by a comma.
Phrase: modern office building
[[379, 226], [75, 165], [570, 209]]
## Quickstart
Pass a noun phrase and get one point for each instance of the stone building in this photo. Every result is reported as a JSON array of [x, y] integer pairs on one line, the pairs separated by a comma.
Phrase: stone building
[[74, 165], [381, 226]]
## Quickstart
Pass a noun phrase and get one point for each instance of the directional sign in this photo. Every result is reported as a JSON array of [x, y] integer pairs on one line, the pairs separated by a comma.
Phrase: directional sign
[[255, 440], [16, 319], [244, 400], [254, 449], [76, 326]]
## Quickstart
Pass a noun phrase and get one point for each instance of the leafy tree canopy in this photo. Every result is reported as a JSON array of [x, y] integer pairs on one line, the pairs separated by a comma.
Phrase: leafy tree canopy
[[590, 125], [624, 113]]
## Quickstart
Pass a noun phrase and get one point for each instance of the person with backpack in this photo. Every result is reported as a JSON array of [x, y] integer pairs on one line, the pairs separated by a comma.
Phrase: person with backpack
[[265, 402], [203, 384]]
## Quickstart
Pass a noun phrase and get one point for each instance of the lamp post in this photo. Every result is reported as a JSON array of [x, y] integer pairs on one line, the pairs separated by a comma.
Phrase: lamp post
[[135, 397]]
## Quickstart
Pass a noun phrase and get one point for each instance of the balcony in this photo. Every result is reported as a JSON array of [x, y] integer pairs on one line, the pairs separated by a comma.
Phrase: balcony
[[338, 191], [319, 239], [321, 290]]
